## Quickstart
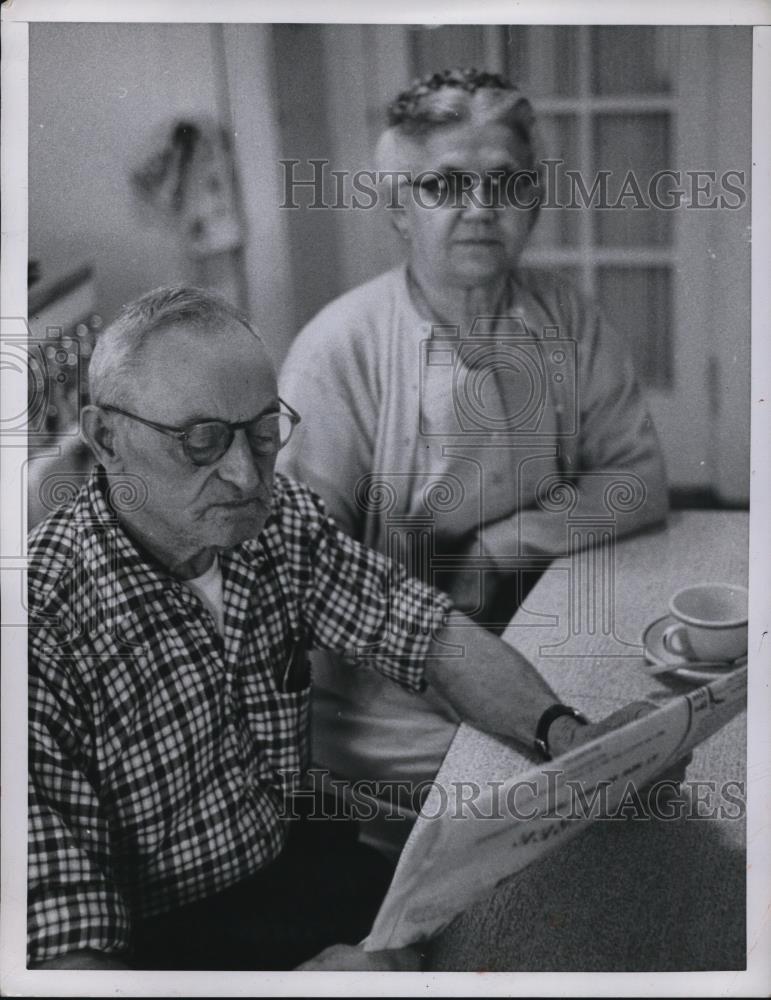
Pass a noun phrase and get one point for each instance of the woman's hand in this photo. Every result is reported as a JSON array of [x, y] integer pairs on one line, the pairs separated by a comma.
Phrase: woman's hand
[[464, 591], [502, 588]]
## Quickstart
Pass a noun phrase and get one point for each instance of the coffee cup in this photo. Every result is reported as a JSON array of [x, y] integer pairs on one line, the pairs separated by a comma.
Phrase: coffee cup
[[711, 622]]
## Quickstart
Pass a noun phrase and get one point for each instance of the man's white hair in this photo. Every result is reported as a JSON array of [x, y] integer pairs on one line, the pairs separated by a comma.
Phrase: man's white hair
[[114, 368]]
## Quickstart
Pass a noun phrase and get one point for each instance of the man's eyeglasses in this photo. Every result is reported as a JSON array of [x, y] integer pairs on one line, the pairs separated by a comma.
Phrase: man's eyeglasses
[[206, 442]]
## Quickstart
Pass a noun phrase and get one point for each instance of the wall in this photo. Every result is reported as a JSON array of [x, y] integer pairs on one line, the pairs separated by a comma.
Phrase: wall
[[250, 71], [729, 278], [97, 92], [97, 95]]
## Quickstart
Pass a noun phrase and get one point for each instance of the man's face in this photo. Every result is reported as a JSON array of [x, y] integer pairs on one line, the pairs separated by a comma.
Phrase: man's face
[[187, 376], [465, 244]]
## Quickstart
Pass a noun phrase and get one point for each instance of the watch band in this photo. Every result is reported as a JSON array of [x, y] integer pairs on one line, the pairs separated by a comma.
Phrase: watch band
[[541, 741]]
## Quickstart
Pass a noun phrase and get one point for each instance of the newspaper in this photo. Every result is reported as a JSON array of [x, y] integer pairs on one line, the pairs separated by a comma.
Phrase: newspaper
[[456, 855]]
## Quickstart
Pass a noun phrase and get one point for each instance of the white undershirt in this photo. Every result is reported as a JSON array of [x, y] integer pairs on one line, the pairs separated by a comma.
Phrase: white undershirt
[[208, 587]]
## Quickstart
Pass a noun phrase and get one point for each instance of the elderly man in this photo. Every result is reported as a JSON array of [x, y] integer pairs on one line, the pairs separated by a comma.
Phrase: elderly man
[[170, 605]]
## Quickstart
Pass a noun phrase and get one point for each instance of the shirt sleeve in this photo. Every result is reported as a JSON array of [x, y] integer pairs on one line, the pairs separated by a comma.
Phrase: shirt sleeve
[[611, 453], [73, 903], [357, 602]]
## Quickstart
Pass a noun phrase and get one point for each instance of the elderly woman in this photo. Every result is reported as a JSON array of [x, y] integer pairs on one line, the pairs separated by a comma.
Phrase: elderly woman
[[450, 405]]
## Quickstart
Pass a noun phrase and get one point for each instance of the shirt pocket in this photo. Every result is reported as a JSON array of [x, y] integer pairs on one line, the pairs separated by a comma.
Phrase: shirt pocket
[[278, 723]]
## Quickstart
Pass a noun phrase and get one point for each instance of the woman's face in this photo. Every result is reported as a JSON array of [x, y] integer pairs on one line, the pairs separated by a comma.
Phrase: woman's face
[[469, 239]]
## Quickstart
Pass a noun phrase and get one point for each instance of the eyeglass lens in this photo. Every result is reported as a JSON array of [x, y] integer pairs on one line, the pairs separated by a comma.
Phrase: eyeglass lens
[[453, 188], [207, 442]]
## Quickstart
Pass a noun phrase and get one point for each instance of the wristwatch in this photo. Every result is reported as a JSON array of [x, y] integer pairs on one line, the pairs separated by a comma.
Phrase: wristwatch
[[541, 741]]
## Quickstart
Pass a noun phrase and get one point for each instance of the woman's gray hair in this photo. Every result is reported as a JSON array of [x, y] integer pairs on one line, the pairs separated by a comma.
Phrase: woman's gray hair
[[454, 97], [114, 364]]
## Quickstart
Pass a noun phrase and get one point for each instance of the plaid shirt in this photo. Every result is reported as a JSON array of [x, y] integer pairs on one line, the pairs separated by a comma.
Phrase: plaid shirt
[[160, 751]]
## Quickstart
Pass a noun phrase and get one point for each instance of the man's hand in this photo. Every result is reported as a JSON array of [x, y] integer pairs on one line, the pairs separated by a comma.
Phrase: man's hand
[[566, 733], [353, 958]]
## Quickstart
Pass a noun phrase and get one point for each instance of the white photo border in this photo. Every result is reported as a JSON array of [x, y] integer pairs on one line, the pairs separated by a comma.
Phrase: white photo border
[[15, 978]]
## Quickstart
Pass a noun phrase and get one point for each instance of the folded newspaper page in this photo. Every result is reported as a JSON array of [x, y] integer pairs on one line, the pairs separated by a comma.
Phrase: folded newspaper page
[[458, 851]]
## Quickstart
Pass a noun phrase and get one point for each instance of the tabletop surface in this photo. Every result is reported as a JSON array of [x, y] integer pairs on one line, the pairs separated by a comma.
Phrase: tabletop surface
[[625, 895]]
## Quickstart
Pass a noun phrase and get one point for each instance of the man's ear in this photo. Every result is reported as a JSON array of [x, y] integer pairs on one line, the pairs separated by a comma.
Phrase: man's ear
[[97, 430]]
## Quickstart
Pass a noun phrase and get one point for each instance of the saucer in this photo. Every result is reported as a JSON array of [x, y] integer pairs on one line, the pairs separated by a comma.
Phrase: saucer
[[680, 666]]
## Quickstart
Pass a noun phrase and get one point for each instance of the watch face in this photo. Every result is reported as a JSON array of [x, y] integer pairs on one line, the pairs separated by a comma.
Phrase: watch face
[[541, 741]]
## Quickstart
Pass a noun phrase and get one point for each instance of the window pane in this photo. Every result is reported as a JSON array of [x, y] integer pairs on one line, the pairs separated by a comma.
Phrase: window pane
[[571, 275], [638, 302], [633, 148], [542, 60], [633, 60], [445, 47], [557, 138]]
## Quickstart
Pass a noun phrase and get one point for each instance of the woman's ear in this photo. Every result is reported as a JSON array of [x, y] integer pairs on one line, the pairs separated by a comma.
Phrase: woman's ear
[[398, 218], [391, 158], [98, 431]]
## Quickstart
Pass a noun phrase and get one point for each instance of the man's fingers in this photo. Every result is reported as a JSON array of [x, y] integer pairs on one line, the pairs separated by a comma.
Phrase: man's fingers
[[634, 710]]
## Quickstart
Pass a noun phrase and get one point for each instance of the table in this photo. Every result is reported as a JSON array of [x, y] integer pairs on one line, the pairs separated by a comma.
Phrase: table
[[625, 895]]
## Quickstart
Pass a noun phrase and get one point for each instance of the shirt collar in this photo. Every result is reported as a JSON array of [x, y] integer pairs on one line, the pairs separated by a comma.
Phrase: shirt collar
[[124, 578]]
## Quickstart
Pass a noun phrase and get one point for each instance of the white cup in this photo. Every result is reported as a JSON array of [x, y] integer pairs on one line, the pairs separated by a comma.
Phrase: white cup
[[711, 622]]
